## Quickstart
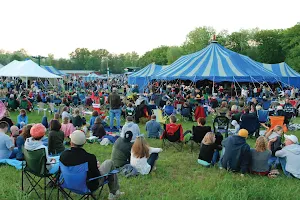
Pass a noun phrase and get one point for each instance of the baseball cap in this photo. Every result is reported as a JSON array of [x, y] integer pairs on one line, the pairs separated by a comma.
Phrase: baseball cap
[[293, 138], [78, 137], [128, 136], [243, 133]]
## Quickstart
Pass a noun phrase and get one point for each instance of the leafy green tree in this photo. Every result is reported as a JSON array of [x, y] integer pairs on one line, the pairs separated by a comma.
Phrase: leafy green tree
[[81, 58], [291, 45], [174, 53], [157, 55], [198, 39]]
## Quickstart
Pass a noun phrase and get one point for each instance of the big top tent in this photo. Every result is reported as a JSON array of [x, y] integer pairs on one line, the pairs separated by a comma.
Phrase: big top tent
[[53, 70], [26, 69], [215, 63]]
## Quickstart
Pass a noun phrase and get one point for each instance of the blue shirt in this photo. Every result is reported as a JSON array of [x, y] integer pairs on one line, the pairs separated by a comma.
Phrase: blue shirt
[[5, 145], [153, 128]]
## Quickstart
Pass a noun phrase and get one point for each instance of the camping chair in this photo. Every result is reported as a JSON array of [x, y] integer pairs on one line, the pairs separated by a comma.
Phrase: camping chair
[[174, 139], [169, 110], [52, 108], [186, 113], [12, 104], [221, 125], [159, 116], [266, 104], [263, 116], [251, 123], [24, 104], [277, 120], [36, 167], [198, 135], [74, 179], [41, 107]]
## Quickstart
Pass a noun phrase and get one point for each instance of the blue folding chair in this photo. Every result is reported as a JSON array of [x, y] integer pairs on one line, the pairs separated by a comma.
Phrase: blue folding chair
[[263, 116], [169, 110], [266, 105], [74, 179]]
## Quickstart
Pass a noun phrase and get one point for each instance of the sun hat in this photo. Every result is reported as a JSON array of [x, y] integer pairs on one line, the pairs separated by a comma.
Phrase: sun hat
[[78, 137], [243, 133], [37, 131], [293, 138]]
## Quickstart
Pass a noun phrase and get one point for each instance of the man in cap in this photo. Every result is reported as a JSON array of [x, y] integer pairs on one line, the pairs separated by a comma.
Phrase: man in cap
[[77, 155], [114, 101], [237, 152], [289, 156], [121, 151]]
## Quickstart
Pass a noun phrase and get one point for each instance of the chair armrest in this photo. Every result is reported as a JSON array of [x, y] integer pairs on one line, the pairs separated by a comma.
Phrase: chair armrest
[[104, 175]]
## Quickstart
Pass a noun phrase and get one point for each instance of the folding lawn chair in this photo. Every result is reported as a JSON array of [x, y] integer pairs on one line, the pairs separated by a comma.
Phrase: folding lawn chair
[[277, 120], [221, 125], [159, 116], [198, 135], [263, 116], [251, 123], [74, 180], [266, 105], [173, 138], [36, 168]]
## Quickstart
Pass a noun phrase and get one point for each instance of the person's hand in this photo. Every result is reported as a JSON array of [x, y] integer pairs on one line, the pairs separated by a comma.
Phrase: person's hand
[[52, 160], [273, 140], [98, 164], [242, 175]]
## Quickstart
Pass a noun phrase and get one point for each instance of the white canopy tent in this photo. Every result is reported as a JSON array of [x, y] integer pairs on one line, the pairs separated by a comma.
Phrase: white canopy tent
[[25, 69]]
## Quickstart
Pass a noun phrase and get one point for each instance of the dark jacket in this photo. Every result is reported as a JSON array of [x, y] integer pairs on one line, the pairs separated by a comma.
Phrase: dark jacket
[[56, 142], [77, 121], [207, 151], [98, 130], [121, 152], [114, 101], [77, 156], [237, 154]]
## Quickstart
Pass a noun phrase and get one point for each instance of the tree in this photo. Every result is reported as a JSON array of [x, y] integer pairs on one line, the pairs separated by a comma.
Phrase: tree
[[198, 39], [81, 58], [173, 54], [269, 46], [291, 45], [157, 55], [96, 59]]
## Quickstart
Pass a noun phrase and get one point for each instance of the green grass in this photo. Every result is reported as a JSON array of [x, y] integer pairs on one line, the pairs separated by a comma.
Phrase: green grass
[[178, 176]]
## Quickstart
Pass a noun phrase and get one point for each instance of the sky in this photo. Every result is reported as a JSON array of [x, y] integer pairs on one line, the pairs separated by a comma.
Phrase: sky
[[60, 26]]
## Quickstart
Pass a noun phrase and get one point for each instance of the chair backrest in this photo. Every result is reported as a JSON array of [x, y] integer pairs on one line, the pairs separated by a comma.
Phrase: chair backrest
[[159, 115], [41, 105], [74, 178], [221, 124], [266, 105], [250, 122], [35, 161], [173, 136], [52, 108], [178, 106], [263, 115], [199, 132], [276, 120], [169, 110]]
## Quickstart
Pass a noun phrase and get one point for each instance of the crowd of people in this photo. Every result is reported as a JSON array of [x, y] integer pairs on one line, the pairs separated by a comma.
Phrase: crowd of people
[[68, 131]]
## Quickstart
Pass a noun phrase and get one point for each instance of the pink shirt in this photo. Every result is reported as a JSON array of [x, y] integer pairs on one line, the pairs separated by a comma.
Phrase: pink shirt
[[67, 129]]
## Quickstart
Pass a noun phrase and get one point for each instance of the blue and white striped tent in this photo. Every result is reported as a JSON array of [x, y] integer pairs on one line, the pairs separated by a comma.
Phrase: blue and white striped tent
[[215, 63], [93, 77], [143, 76], [53, 70]]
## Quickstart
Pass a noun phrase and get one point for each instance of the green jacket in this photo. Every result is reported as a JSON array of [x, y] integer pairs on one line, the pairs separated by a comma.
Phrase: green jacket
[[121, 152]]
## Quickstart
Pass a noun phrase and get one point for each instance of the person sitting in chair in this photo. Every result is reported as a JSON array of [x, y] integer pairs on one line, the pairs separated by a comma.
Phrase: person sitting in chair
[[169, 109], [77, 155], [121, 150], [153, 128], [172, 128], [199, 131]]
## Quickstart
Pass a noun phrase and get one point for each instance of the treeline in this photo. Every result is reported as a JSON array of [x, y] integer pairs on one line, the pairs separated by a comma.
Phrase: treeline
[[267, 46]]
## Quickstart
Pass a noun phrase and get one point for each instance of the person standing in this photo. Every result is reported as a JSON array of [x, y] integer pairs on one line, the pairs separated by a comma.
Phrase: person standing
[[114, 101]]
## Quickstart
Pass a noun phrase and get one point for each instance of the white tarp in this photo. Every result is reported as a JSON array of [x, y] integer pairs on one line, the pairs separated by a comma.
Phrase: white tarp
[[26, 68]]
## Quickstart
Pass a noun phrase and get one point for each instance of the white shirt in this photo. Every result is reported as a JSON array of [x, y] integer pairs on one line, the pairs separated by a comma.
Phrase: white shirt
[[64, 115], [141, 164]]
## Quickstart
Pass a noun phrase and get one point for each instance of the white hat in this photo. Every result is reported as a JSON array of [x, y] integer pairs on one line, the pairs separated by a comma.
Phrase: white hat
[[78, 137], [234, 123], [279, 108], [293, 138]]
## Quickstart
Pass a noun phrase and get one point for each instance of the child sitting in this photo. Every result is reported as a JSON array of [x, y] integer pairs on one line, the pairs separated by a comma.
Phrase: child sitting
[[129, 110], [236, 129], [274, 136], [67, 127]]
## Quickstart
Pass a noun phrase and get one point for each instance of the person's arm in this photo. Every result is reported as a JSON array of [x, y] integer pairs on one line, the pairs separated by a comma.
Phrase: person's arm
[[50, 143], [268, 133], [154, 150], [10, 144], [19, 119], [26, 119], [281, 153]]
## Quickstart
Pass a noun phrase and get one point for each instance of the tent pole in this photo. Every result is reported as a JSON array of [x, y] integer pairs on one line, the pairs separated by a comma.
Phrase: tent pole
[[26, 82], [213, 86]]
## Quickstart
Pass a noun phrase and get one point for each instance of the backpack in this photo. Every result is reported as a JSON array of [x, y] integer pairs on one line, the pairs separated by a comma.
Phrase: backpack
[[129, 171]]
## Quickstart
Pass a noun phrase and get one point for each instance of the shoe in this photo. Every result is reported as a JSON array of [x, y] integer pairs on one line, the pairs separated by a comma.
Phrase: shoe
[[112, 196], [119, 193]]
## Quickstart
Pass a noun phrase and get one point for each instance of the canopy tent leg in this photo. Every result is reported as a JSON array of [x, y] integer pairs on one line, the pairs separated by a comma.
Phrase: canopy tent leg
[[26, 82], [213, 87]]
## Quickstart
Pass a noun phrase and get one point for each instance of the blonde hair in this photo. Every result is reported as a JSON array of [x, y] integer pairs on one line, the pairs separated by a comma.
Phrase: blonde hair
[[278, 128], [66, 120], [261, 144], [234, 108], [258, 107], [208, 138], [76, 111], [140, 148]]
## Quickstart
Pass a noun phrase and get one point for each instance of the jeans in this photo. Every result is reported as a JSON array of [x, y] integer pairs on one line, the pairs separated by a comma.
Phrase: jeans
[[273, 162], [215, 157], [282, 162], [14, 153], [151, 160], [115, 113]]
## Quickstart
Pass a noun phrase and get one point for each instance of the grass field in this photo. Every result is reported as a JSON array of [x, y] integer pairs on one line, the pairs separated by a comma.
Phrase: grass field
[[178, 176]]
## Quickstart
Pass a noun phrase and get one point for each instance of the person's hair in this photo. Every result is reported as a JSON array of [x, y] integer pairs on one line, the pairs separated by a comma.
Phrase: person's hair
[[65, 108], [234, 108], [98, 120], [95, 113], [3, 125], [56, 116], [261, 144], [76, 111], [223, 104], [23, 111], [201, 120], [129, 118], [258, 107], [66, 120], [153, 116], [173, 119], [208, 138], [277, 128], [83, 121], [6, 114], [247, 110], [26, 131], [54, 125], [140, 148]]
